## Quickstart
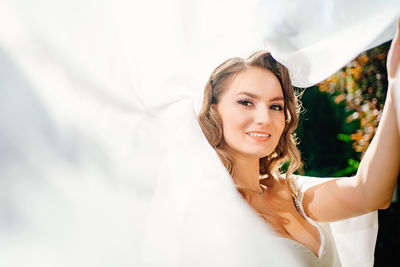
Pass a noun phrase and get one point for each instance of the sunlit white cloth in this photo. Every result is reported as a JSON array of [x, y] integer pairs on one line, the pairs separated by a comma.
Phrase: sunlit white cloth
[[102, 162], [314, 38]]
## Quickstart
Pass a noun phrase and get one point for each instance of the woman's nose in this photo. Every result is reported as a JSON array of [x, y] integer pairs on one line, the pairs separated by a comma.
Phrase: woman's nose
[[262, 116]]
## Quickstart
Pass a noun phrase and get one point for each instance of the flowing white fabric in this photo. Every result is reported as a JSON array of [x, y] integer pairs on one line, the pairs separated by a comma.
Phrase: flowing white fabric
[[301, 34], [102, 162]]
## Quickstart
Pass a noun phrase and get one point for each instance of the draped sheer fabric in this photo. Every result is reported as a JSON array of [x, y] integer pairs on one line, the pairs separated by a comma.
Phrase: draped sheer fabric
[[102, 162], [316, 39]]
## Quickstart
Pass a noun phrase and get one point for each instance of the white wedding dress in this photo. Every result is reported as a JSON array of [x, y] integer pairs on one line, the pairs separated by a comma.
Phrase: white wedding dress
[[102, 162], [349, 242]]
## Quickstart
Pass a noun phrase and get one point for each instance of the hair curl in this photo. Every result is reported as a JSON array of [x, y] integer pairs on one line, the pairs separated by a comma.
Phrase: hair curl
[[211, 124]]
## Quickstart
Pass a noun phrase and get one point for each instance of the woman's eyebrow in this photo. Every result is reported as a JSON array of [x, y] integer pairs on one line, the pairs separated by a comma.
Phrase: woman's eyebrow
[[250, 95], [278, 98]]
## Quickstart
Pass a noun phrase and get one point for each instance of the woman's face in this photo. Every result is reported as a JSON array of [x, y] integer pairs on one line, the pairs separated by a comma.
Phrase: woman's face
[[252, 112]]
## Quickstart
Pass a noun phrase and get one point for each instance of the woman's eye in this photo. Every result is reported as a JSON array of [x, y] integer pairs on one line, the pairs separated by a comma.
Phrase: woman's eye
[[246, 103], [277, 107]]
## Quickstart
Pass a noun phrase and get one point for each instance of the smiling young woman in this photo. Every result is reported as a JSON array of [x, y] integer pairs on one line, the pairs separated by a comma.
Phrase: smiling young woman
[[260, 89], [252, 113], [248, 116]]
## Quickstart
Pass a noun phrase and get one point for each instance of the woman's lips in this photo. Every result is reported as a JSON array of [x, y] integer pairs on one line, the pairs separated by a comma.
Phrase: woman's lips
[[259, 136]]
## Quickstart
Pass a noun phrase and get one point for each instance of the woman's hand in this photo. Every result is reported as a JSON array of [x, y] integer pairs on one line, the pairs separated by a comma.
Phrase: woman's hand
[[393, 57]]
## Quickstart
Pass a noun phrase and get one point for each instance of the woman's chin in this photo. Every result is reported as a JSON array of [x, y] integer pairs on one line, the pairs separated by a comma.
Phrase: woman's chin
[[260, 154], [257, 153]]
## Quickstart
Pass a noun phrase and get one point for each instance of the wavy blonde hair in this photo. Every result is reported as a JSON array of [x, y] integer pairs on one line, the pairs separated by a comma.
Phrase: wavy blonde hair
[[211, 124]]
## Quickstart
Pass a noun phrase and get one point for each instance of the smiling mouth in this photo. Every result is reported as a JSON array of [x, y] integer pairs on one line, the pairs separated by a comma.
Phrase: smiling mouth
[[259, 135]]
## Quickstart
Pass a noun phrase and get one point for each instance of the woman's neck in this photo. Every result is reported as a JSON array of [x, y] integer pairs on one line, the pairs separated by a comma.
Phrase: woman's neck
[[246, 173]]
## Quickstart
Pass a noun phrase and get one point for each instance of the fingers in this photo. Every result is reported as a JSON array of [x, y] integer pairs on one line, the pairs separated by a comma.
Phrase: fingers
[[393, 58], [397, 35]]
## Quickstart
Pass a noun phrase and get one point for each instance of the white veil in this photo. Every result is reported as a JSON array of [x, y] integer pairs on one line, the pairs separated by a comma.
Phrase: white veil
[[102, 162]]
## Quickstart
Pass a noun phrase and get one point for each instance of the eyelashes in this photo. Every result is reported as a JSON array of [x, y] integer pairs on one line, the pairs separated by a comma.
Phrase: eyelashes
[[276, 107], [246, 103], [249, 103]]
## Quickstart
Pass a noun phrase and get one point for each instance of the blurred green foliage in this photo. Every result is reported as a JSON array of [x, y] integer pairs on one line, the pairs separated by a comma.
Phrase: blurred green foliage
[[341, 116]]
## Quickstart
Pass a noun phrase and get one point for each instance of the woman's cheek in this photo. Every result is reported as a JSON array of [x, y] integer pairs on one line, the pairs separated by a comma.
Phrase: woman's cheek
[[282, 122]]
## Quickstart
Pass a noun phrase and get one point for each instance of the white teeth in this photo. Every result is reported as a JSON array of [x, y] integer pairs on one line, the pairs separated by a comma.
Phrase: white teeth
[[259, 135]]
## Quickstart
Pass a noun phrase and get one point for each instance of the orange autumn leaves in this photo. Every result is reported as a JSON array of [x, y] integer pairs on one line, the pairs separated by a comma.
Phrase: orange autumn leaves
[[361, 85]]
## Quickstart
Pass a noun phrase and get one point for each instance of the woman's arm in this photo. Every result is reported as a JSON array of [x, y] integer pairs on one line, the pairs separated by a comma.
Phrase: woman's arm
[[373, 185]]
